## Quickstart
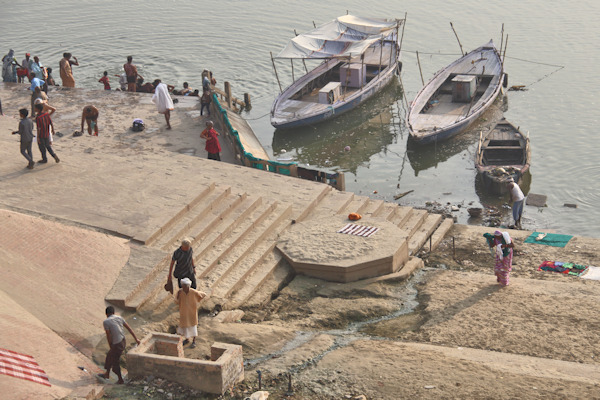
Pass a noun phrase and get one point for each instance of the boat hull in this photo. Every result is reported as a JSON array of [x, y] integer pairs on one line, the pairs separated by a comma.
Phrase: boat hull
[[335, 110], [434, 115]]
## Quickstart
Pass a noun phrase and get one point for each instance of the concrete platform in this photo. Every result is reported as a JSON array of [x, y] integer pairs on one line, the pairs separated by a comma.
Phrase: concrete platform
[[315, 248]]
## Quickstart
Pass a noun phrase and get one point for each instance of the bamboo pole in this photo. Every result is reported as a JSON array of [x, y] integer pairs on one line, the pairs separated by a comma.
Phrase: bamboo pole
[[420, 71], [292, 62], [402, 38], [505, 47], [501, 38], [380, 59], [461, 48], [362, 68], [276, 76]]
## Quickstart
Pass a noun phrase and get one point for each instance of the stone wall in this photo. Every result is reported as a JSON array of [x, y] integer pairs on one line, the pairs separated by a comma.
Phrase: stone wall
[[224, 370]]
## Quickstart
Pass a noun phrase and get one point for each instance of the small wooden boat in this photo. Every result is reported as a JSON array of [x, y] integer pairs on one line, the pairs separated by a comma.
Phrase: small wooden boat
[[502, 153], [359, 57], [456, 95]]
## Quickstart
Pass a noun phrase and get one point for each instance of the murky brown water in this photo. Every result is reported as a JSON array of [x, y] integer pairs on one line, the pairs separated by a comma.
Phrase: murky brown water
[[174, 41]]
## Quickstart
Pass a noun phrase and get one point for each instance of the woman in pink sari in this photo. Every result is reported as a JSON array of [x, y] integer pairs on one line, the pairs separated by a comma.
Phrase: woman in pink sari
[[503, 246]]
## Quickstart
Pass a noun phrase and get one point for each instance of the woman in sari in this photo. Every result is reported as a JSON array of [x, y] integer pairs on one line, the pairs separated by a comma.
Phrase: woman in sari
[[66, 73], [9, 67], [503, 246]]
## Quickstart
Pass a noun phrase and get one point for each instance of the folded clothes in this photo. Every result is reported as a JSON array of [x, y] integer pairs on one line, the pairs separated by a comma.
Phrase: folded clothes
[[563, 268]]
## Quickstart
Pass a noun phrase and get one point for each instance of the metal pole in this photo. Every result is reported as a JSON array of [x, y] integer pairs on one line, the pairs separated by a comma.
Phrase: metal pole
[[420, 71], [461, 48], [276, 76]]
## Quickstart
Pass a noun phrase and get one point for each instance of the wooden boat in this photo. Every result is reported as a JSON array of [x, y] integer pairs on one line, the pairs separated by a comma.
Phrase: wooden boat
[[359, 58], [456, 95], [502, 153]]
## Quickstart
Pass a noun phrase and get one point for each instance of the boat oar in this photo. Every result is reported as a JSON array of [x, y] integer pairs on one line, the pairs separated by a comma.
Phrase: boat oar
[[461, 48], [420, 71]]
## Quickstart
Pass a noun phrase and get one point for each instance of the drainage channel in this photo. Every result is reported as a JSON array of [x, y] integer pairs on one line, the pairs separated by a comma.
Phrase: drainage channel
[[347, 335]]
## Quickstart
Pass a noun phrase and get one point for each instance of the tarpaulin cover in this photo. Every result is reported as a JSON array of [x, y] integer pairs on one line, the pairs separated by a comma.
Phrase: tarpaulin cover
[[343, 37]]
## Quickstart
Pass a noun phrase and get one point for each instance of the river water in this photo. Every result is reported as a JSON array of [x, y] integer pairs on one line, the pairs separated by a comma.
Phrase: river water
[[176, 40]]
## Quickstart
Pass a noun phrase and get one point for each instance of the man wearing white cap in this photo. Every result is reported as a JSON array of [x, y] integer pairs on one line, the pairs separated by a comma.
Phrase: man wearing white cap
[[517, 197], [188, 300]]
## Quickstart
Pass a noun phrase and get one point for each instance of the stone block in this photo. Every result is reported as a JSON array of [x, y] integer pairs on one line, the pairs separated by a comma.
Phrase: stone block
[[536, 200], [229, 316], [315, 248]]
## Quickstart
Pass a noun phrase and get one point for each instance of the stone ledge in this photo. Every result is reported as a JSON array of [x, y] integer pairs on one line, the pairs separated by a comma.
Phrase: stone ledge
[[225, 369]]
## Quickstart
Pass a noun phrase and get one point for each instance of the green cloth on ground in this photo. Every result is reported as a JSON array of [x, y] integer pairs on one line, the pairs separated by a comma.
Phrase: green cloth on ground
[[551, 239]]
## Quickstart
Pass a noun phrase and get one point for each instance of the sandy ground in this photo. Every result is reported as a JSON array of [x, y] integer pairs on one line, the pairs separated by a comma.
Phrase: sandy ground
[[448, 332]]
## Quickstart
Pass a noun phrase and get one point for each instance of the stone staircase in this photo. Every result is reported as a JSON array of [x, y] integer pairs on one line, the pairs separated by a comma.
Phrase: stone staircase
[[234, 236]]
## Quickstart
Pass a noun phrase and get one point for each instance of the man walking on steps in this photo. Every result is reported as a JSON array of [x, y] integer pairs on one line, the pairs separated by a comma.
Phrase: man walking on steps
[[183, 259]]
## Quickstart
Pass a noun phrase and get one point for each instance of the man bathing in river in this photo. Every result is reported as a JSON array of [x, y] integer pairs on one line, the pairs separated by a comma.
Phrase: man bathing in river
[[132, 74]]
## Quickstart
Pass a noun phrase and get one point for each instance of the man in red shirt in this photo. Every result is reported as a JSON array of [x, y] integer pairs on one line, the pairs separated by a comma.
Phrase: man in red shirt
[[44, 123], [212, 142], [132, 74]]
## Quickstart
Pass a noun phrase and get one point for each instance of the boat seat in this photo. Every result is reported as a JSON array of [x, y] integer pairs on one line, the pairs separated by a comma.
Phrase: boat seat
[[502, 147]]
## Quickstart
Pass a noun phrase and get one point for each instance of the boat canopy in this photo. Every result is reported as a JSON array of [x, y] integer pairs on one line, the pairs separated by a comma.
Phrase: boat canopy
[[345, 36]]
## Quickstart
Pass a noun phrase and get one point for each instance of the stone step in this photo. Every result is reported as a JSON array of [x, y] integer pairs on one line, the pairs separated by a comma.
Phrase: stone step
[[263, 265], [418, 239], [249, 208], [209, 220], [234, 226], [373, 208], [416, 219], [213, 201], [152, 288], [356, 205], [209, 255], [168, 225], [401, 216], [142, 266], [259, 289], [334, 203], [441, 232], [252, 249], [300, 214], [388, 211], [213, 221]]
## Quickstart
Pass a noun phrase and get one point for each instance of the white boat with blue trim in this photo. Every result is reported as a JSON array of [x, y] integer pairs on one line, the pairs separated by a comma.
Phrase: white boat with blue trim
[[456, 95], [360, 57]]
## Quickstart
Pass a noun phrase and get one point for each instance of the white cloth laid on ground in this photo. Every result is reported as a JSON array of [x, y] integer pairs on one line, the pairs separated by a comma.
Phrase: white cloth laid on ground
[[162, 99], [592, 273], [189, 332]]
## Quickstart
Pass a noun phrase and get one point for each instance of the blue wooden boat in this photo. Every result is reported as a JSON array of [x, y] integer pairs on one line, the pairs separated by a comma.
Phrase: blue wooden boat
[[360, 57], [456, 96]]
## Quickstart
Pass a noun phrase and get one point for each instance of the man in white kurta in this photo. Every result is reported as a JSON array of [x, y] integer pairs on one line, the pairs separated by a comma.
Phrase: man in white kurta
[[188, 300]]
